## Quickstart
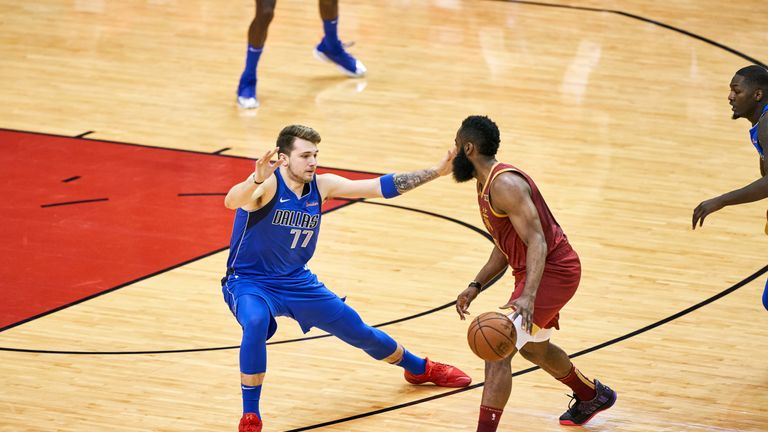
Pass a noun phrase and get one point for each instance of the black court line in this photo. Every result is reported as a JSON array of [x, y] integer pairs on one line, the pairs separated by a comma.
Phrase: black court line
[[644, 19], [139, 279], [83, 135], [73, 202], [473, 386], [384, 324], [144, 146], [202, 194], [109, 290], [221, 150], [628, 335], [67, 180], [534, 368], [170, 149]]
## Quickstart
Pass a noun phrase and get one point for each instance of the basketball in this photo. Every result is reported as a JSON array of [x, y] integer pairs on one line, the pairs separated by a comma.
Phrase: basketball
[[491, 336]]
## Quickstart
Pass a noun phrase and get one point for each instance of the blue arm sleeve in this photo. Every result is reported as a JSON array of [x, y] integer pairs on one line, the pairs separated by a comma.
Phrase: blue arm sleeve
[[388, 188]]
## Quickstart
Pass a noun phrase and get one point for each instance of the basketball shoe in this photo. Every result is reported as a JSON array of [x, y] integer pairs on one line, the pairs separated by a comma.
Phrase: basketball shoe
[[440, 374], [246, 92], [250, 422], [334, 52], [579, 411]]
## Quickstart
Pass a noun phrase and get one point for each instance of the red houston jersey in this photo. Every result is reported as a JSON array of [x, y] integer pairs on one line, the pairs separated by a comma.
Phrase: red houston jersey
[[504, 234]]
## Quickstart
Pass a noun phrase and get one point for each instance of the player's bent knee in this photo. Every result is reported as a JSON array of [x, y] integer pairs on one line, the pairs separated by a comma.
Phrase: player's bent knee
[[535, 349], [264, 17], [255, 321], [256, 326], [265, 11]]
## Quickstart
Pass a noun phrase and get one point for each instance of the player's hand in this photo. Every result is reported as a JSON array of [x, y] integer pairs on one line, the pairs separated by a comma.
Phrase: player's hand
[[703, 209], [464, 299], [523, 306], [265, 166], [445, 166]]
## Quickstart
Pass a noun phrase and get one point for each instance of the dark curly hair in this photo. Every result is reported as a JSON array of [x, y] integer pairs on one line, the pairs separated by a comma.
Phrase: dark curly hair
[[482, 132]]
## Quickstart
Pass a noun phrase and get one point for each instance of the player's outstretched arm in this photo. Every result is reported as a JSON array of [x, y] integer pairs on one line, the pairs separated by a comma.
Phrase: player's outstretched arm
[[754, 191], [260, 184], [387, 186]]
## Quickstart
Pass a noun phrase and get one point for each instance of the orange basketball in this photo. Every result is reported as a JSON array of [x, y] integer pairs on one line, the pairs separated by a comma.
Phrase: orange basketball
[[492, 336]]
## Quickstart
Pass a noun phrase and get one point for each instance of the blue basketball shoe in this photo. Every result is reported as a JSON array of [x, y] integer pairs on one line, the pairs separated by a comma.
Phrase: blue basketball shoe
[[246, 91], [334, 52]]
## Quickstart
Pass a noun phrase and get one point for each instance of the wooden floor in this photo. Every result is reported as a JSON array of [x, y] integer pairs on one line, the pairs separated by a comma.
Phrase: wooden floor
[[623, 123]]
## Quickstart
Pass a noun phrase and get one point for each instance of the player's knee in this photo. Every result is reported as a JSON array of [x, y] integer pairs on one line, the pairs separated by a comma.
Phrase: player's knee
[[263, 19], [534, 353], [265, 11], [255, 324]]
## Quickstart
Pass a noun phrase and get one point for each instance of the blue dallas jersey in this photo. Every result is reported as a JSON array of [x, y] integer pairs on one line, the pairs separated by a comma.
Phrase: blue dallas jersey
[[277, 240], [753, 134]]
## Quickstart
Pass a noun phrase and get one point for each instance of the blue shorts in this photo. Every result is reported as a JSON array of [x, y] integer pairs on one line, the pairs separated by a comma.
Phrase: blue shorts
[[302, 298]]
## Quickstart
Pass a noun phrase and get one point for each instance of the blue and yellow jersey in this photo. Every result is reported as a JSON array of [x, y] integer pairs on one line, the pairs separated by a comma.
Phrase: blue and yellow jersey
[[278, 239], [753, 134]]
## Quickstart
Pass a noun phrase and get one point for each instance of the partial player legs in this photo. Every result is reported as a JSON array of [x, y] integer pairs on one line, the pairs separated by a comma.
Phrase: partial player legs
[[548, 356], [498, 386], [257, 36], [254, 317], [329, 9], [257, 32], [589, 397], [350, 328], [498, 382], [330, 49]]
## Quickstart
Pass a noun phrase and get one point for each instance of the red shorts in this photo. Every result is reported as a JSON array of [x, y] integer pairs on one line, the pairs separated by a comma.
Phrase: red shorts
[[561, 277]]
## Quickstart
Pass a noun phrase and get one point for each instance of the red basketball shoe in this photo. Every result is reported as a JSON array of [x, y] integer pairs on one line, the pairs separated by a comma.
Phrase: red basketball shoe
[[440, 374], [250, 422]]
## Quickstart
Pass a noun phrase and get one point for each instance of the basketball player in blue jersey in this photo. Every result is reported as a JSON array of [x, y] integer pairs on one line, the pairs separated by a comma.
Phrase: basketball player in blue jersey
[[749, 99], [330, 48], [274, 236]]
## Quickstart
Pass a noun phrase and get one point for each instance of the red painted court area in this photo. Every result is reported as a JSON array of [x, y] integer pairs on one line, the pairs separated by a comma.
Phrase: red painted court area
[[125, 219]]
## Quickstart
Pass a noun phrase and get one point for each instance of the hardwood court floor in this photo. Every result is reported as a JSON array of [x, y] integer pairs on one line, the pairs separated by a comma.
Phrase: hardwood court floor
[[623, 123]]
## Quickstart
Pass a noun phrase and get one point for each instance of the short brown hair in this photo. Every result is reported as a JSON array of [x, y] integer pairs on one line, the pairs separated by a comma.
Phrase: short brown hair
[[289, 134]]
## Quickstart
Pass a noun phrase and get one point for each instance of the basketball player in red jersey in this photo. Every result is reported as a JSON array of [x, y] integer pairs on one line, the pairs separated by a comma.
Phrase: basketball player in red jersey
[[546, 269]]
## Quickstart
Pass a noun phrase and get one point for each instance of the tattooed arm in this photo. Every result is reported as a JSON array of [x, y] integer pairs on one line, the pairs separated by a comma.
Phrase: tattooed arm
[[388, 186], [407, 181]]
